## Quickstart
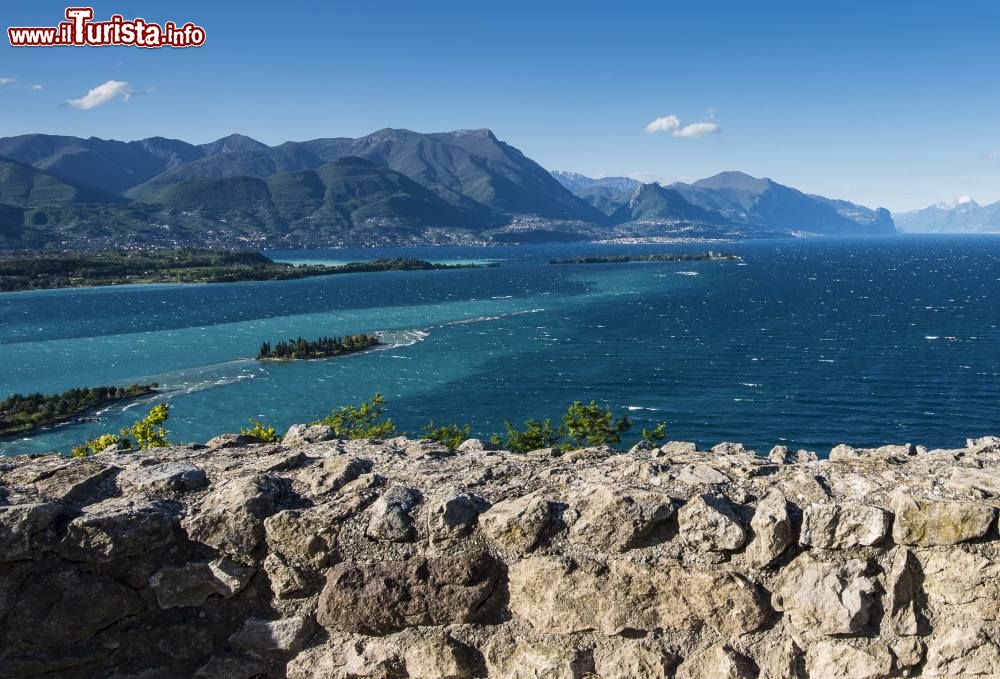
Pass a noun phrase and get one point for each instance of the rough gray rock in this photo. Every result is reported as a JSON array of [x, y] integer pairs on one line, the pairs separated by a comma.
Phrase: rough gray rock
[[516, 525], [391, 515], [929, 523], [843, 525], [772, 529], [709, 523], [392, 559], [613, 519], [159, 480], [304, 434], [822, 598]]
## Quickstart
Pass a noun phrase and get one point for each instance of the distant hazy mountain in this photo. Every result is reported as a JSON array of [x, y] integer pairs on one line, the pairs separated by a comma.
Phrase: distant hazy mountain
[[961, 216], [743, 199], [607, 194], [748, 204], [654, 203]]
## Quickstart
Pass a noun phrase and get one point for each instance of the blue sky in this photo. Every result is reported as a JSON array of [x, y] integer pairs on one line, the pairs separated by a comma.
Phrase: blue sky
[[883, 103]]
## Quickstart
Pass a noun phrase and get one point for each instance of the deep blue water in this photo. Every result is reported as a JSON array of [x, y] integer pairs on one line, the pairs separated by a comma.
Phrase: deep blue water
[[806, 342]]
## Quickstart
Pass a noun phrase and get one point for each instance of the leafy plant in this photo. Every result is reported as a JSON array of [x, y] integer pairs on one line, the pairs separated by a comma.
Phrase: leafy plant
[[656, 435], [143, 434], [260, 431], [361, 422], [535, 435], [97, 445], [451, 435], [592, 425], [149, 432]]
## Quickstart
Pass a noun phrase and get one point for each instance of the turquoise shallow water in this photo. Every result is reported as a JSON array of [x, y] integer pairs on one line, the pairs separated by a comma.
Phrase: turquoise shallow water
[[807, 342]]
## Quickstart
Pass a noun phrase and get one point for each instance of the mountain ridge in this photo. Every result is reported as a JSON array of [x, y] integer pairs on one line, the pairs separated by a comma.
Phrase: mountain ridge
[[389, 186], [961, 216]]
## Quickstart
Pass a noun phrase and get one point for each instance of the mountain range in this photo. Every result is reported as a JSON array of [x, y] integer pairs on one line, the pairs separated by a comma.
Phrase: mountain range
[[391, 186], [961, 216]]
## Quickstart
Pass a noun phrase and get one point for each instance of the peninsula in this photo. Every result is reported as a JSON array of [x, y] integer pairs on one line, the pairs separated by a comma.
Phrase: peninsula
[[22, 414], [621, 259], [39, 272]]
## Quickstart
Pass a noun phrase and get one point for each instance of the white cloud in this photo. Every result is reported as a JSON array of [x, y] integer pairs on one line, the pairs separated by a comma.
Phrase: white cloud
[[993, 155], [672, 124], [102, 94], [663, 124], [35, 88], [6, 81], [698, 130]]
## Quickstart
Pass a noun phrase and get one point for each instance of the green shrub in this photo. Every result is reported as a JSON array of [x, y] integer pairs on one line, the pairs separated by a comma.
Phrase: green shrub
[[535, 435], [361, 422], [451, 435], [261, 432], [593, 425], [656, 435], [144, 434], [149, 432], [94, 446]]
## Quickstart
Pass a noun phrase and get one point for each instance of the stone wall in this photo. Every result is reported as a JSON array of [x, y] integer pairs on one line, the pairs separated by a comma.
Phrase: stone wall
[[325, 558]]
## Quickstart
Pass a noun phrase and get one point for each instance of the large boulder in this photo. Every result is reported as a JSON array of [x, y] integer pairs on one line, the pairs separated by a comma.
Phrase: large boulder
[[120, 528], [709, 523], [962, 652], [850, 660], [62, 608], [438, 656], [27, 530], [194, 582], [727, 601], [163, 479], [391, 517], [717, 662], [773, 529], [929, 523], [304, 434], [821, 598], [231, 517], [516, 526], [556, 595], [843, 525], [622, 658], [382, 597], [613, 519]]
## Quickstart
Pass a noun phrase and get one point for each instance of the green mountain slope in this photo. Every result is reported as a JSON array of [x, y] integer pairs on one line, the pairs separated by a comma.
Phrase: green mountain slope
[[24, 186]]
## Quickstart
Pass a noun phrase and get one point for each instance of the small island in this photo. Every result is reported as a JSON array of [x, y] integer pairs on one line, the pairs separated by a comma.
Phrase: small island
[[21, 414], [619, 259], [324, 347], [47, 271]]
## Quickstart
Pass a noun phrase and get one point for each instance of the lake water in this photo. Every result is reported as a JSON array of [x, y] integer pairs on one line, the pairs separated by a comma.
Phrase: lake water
[[805, 342]]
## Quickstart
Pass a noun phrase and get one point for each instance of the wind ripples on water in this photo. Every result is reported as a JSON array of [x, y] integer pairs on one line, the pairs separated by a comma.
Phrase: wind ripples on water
[[805, 342]]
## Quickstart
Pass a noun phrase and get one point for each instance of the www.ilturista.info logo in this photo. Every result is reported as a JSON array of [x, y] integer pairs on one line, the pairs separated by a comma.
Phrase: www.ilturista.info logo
[[80, 30]]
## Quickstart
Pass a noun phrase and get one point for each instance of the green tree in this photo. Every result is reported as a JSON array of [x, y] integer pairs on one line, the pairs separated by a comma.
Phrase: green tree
[[451, 435], [361, 422], [260, 431], [534, 436], [593, 425], [656, 435]]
